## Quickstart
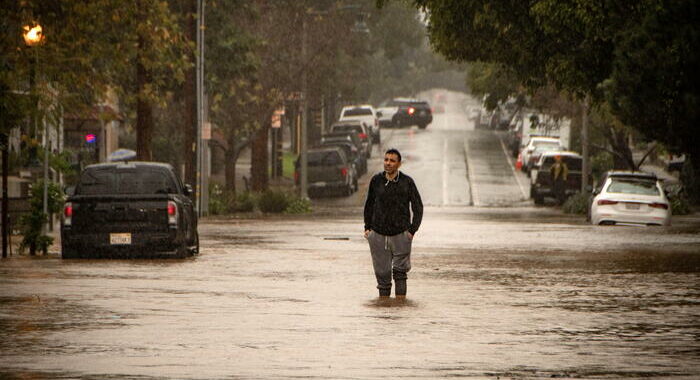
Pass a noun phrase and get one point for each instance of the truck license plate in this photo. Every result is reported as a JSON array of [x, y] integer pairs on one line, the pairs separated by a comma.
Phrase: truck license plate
[[124, 238]]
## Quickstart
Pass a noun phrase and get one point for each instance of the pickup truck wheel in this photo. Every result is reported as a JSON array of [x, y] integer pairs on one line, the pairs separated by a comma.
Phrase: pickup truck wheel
[[194, 250], [422, 126], [539, 199], [69, 253]]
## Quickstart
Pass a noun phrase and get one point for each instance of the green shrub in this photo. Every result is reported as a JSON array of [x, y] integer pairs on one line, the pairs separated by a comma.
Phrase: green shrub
[[220, 200], [243, 202], [680, 204], [298, 206], [576, 204], [273, 201], [33, 222]]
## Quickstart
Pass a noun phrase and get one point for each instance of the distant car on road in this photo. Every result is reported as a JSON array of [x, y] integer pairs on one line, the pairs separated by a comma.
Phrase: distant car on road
[[329, 170], [365, 113], [385, 116], [411, 112], [541, 184], [630, 198], [129, 209]]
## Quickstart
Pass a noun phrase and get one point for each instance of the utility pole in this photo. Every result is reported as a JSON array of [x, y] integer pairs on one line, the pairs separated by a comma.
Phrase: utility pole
[[200, 103], [303, 159]]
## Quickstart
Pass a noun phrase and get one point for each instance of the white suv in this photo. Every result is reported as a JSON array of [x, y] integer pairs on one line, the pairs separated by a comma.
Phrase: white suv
[[365, 113]]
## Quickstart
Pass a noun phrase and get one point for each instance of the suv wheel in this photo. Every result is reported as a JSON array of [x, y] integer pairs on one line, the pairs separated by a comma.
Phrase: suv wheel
[[422, 126]]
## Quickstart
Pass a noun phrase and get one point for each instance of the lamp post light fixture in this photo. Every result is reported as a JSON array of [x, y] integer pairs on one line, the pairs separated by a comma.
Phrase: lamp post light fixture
[[33, 35]]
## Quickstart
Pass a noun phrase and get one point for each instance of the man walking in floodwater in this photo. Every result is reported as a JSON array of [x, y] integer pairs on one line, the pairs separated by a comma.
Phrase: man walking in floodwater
[[389, 227]]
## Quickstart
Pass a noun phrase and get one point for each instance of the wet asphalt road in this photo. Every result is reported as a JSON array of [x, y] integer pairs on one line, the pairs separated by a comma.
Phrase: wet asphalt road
[[513, 291]]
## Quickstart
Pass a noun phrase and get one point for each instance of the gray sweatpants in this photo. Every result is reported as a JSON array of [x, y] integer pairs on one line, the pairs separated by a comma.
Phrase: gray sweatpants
[[390, 252]]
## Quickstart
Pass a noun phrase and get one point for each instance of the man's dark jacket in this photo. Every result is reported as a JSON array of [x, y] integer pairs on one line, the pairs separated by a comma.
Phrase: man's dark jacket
[[387, 206]]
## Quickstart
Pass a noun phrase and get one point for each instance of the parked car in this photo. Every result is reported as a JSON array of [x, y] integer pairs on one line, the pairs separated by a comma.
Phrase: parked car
[[129, 209], [411, 112], [329, 170], [538, 142], [541, 184], [357, 128], [350, 149], [365, 113], [630, 198]]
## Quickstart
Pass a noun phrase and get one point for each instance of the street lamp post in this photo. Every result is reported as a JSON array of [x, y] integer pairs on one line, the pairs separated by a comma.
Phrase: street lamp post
[[33, 37]]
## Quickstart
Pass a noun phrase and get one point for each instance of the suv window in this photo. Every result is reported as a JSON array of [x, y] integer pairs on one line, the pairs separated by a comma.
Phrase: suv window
[[357, 112], [572, 163], [324, 158], [396, 103], [347, 128], [126, 181]]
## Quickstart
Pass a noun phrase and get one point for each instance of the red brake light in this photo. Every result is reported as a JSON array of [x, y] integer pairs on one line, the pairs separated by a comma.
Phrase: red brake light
[[604, 202], [659, 205], [68, 210], [363, 135], [344, 172], [296, 176], [411, 110], [172, 209]]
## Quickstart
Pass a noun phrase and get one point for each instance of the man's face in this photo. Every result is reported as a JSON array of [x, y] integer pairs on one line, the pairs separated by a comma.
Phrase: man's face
[[391, 163]]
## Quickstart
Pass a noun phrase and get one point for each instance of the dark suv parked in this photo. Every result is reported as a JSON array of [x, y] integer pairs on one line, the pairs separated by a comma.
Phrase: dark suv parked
[[411, 112]]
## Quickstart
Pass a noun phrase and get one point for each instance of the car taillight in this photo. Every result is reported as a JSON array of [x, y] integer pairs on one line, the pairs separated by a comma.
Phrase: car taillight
[[296, 176], [172, 213], [363, 135], [411, 110], [604, 202], [344, 172], [68, 214], [659, 205]]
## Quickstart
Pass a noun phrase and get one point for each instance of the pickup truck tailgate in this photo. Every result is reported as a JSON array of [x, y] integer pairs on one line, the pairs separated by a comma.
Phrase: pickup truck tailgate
[[120, 214]]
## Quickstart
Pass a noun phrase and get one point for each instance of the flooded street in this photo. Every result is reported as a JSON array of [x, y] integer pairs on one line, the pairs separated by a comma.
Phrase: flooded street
[[495, 292], [516, 293]]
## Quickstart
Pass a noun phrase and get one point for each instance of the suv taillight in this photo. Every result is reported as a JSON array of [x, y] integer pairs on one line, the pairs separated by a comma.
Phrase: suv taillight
[[172, 213], [68, 214], [363, 135], [344, 172]]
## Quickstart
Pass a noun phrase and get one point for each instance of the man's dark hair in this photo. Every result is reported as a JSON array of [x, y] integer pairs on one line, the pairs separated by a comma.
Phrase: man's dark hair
[[394, 151]]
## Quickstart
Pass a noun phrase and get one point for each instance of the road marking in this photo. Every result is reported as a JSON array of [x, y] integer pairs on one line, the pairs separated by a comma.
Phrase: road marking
[[512, 167], [444, 173], [473, 194]]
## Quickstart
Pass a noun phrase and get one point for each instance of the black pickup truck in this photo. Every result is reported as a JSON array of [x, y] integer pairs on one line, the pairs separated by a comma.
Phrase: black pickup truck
[[127, 210]]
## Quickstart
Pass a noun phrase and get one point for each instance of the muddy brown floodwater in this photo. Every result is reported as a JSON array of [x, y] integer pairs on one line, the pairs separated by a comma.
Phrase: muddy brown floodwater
[[521, 293]]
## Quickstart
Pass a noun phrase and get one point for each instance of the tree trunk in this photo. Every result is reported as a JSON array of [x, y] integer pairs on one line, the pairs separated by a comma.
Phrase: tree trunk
[[259, 160], [189, 124], [231, 156], [144, 111], [622, 159]]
